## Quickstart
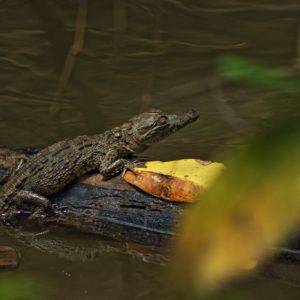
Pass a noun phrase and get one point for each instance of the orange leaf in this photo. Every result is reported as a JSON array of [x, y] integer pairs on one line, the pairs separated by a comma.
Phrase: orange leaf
[[163, 186]]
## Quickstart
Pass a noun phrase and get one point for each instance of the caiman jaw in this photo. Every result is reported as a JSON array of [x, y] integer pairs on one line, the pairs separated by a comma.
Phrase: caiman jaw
[[180, 121]]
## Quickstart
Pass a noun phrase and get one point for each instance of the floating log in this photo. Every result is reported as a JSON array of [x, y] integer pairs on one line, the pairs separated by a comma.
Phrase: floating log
[[9, 258], [116, 210], [111, 208]]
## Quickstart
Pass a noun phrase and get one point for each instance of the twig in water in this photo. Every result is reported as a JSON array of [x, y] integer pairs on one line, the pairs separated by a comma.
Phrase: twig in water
[[73, 52]]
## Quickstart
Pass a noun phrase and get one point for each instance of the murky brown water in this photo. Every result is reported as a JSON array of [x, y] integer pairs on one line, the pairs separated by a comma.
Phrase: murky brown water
[[128, 56]]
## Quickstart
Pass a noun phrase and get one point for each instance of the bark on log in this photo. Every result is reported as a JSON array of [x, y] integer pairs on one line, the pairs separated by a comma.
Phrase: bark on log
[[109, 208], [116, 210], [9, 258]]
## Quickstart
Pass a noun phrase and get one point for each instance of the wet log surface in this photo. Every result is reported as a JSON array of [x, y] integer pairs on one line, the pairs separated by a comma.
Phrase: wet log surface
[[9, 258], [111, 208], [116, 210]]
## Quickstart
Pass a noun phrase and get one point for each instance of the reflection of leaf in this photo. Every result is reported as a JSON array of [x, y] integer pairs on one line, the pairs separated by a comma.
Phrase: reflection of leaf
[[250, 209], [177, 180], [236, 68], [19, 288]]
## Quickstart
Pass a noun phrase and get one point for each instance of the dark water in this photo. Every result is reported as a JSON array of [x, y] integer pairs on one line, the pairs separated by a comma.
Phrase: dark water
[[78, 67]]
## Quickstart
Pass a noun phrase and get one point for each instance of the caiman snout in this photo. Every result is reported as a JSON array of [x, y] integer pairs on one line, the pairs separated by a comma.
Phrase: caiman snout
[[178, 121], [193, 115]]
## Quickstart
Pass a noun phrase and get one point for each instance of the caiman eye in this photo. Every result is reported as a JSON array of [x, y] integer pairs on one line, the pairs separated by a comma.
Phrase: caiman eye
[[162, 120]]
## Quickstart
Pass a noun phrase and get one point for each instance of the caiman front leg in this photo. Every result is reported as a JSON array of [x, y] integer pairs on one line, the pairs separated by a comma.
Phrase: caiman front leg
[[112, 165], [37, 204]]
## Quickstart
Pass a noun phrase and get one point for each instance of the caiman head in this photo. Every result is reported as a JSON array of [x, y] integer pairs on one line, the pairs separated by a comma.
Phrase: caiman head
[[150, 127]]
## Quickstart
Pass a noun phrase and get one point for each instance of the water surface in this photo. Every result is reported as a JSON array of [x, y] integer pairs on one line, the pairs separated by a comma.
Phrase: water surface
[[129, 56]]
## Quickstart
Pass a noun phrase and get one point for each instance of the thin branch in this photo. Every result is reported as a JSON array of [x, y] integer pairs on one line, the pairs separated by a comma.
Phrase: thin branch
[[75, 49]]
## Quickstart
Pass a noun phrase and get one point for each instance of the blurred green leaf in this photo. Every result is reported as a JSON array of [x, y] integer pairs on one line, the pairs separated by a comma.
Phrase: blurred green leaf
[[242, 69], [251, 209], [19, 289]]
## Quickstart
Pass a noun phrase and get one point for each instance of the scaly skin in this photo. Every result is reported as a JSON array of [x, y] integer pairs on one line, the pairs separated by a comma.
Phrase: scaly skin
[[31, 181]]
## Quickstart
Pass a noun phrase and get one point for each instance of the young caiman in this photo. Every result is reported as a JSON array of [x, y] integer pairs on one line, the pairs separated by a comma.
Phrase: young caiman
[[31, 181]]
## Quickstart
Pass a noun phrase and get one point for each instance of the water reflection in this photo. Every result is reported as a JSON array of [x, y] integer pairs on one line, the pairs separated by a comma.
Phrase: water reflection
[[134, 55]]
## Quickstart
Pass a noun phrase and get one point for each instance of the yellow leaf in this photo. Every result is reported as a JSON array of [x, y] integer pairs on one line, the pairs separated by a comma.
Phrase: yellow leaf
[[198, 171], [179, 180]]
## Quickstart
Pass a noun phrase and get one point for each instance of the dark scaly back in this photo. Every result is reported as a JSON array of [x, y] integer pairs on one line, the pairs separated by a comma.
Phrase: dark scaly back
[[27, 170], [59, 164]]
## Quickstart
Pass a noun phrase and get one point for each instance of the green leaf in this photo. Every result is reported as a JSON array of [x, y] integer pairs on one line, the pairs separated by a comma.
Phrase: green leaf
[[19, 288], [250, 71]]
